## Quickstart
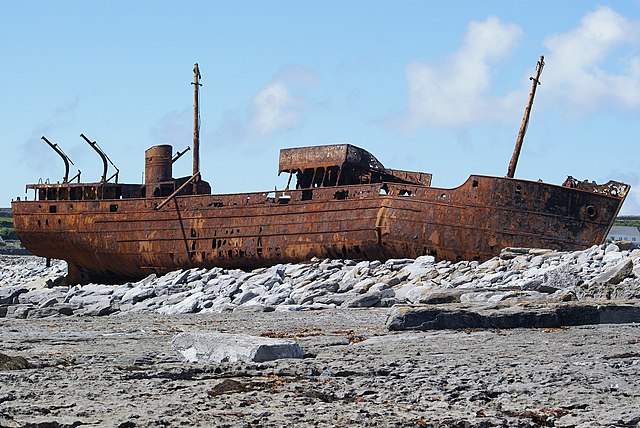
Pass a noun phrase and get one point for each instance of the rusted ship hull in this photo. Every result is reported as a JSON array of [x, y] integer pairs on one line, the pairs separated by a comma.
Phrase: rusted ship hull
[[107, 240]]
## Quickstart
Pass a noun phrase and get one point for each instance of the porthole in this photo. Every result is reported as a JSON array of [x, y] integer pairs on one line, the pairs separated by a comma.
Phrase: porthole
[[591, 211]]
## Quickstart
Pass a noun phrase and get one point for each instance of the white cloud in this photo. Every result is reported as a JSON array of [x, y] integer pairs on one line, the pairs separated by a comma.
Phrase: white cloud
[[275, 109], [455, 93], [278, 106], [578, 60]]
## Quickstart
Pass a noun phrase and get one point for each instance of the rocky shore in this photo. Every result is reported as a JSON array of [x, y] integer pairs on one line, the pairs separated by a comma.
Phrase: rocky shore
[[121, 371], [516, 276], [400, 343]]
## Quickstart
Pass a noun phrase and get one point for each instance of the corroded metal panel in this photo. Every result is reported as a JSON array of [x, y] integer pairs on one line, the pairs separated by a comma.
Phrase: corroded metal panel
[[300, 158], [374, 221]]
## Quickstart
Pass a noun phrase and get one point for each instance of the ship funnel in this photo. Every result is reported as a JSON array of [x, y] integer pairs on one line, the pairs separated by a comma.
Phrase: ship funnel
[[158, 165], [158, 169]]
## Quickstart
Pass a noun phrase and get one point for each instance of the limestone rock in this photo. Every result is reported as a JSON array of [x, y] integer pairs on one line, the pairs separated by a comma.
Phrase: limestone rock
[[9, 295], [616, 274], [365, 300], [432, 317], [217, 348]]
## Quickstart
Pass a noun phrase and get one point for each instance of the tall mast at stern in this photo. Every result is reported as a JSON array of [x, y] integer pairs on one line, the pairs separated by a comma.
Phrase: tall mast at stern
[[525, 119], [196, 121]]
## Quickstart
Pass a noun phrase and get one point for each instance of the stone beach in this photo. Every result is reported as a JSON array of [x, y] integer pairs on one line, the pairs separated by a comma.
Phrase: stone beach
[[321, 344], [518, 275]]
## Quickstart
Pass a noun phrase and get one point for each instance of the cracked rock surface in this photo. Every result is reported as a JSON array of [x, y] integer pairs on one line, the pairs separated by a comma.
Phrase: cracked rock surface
[[121, 371]]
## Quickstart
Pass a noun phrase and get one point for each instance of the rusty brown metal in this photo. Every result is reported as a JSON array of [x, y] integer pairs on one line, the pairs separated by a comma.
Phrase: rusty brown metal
[[67, 161], [179, 154], [345, 204], [110, 238], [178, 190], [535, 81], [341, 164], [196, 119], [158, 164]]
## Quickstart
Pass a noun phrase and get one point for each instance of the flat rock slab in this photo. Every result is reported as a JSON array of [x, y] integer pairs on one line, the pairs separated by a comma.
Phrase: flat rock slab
[[217, 347], [456, 316]]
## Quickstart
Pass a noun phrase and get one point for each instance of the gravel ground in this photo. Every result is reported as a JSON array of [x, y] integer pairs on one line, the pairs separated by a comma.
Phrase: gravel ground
[[121, 371]]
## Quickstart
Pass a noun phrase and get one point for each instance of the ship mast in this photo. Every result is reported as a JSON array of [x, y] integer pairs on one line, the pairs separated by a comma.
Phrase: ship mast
[[525, 119], [196, 121]]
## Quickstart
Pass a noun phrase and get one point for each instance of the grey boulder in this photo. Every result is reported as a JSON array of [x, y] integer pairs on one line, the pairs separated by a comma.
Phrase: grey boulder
[[616, 274], [365, 300], [9, 295], [440, 317], [218, 347]]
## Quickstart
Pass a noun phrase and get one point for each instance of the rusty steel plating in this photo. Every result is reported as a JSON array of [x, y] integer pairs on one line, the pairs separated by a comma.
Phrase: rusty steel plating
[[343, 203]]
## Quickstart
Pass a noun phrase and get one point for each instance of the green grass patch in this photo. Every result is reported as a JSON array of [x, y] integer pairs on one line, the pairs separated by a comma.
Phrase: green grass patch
[[7, 233], [6, 228], [634, 223]]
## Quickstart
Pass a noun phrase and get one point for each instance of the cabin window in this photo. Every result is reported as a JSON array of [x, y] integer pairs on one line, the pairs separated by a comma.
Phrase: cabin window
[[331, 176], [113, 208], [518, 188], [318, 178], [75, 193], [405, 192], [89, 193], [304, 178], [53, 209], [307, 195], [591, 211], [474, 183], [376, 177], [341, 194]]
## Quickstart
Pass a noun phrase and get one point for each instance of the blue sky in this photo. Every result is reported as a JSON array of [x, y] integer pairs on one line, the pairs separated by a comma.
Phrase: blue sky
[[431, 86]]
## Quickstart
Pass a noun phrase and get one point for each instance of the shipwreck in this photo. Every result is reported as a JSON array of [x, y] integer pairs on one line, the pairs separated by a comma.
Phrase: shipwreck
[[340, 202]]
